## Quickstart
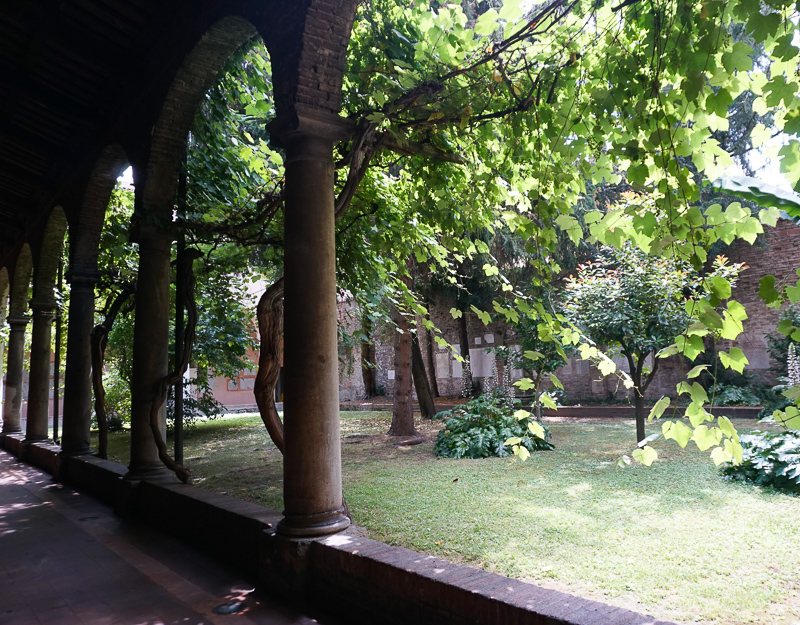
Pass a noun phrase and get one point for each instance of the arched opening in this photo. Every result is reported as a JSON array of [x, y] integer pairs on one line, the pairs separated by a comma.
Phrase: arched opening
[[156, 182], [43, 311], [82, 277]]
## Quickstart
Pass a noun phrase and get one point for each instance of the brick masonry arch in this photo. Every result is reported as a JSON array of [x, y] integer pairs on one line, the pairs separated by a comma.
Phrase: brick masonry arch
[[85, 242], [50, 249], [196, 74], [308, 43]]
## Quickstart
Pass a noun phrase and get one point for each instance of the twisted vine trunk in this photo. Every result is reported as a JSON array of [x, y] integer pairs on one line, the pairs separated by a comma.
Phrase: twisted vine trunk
[[98, 344], [270, 327], [162, 388]]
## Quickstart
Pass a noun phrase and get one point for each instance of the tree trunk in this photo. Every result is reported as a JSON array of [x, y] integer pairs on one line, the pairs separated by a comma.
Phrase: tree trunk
[[99, 340], [431, 364], [638, 394], [368, 360], [463, 342], [640, 415], [403, 410], [270, 329], [426, 406]]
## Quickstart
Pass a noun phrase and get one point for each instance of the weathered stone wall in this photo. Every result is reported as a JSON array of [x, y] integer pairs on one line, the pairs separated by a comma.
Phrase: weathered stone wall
[[777, 252]]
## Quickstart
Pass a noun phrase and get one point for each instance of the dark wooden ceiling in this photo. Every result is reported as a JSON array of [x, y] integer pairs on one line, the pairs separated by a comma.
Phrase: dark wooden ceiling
[[61, 72]]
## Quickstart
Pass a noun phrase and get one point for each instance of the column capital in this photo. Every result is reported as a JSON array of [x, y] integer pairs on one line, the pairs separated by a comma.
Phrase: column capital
[[18, 320], [43, 308], [304, 122], [82, 277]]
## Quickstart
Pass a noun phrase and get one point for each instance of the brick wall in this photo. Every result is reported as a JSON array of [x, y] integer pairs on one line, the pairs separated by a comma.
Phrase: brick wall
[[777, 252]]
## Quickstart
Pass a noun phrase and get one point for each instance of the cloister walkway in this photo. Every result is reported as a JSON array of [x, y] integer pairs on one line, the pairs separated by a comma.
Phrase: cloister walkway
[[68, 560]]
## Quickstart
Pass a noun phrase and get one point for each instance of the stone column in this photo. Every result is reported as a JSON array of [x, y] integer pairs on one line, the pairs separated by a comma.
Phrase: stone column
[[150, 352], [312, 483], [78, 371], [43, 314], [16, 353]]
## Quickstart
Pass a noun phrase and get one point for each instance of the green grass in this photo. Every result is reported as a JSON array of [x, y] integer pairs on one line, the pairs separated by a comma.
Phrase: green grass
[[675, 540]]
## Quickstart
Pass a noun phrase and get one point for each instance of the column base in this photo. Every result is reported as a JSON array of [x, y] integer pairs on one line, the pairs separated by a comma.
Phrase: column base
[[313, 525], [83, 451], [151, 472], [36, 439], [11, 429]]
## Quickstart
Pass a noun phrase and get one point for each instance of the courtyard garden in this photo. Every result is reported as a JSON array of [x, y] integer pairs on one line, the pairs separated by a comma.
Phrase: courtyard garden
[[676, 540]]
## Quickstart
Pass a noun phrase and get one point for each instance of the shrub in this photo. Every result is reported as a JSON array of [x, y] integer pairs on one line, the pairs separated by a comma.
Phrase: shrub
[[770, 459], [481, 427]]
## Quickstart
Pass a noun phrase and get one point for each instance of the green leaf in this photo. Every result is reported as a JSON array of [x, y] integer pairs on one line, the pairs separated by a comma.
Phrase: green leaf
[[514, 440], [727, 428], [659, 408], [789, 418], [695, 371], [555, 381], [536, 429], [646, 455], [692, 83], [525, 384], [735, 359], [793, 393], [547, 401], [738, 58], [677, 431], [763, 26], [768, 293], [519, 415], [706, 437], [697, 415], [456, 313]]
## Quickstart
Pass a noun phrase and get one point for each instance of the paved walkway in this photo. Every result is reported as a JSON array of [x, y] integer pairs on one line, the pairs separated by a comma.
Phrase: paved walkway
[[66, 559]]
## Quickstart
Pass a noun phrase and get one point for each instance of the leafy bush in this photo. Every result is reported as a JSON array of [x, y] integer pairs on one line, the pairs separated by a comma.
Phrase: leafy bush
[[735, 395], [770, 459], [195, 405], [481, 427]]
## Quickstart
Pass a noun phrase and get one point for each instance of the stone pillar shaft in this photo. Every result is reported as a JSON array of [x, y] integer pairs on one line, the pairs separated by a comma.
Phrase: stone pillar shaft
[[77, 413], [16, 353], [150, 352], [39, 381], [312, 458]]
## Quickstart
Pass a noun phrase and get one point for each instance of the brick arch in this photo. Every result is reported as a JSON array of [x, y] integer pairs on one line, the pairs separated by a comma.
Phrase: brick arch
[[308, 43], [20, 285], [50, 249], [194, 77], [85, 241]]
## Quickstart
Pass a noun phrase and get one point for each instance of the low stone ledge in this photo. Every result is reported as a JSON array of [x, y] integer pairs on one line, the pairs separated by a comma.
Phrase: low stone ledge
[[629, 412], [375, 581], [91, 474], [12, 443], [43, 455], [227, 528]]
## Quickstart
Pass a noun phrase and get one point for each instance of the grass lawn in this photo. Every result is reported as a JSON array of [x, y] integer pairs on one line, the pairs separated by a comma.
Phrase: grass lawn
[[674, 540]]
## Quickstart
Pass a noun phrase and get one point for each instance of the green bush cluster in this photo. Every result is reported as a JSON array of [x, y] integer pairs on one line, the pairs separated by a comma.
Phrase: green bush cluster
[[480, 428], [770, 459]]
